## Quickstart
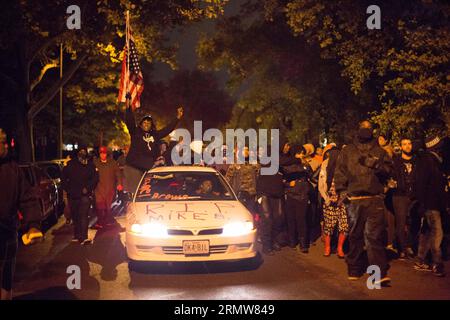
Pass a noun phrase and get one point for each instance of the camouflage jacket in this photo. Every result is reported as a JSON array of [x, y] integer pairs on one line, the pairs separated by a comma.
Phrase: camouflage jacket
[[242, 177]]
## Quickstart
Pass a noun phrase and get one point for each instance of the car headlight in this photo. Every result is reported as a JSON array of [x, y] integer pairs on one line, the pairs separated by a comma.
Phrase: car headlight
[[154, 230], [234, 229]]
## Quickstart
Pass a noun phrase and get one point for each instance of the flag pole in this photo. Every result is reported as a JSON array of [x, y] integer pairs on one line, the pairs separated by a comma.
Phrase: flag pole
[[127, 31]]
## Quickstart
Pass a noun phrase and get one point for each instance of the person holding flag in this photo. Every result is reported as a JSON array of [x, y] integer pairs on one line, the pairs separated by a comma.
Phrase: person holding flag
[[144, 136]]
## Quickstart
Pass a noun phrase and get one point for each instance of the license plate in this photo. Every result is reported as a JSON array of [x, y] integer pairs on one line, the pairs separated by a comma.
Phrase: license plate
[[196, 247]]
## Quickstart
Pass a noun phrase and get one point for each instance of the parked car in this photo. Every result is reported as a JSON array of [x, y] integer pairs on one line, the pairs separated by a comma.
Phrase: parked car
[[44, 188], [54, 169]]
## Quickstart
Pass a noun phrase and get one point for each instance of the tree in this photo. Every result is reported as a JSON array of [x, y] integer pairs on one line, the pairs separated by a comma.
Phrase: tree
[[281, 80], [198, 92], [407, 59], [32, 31]]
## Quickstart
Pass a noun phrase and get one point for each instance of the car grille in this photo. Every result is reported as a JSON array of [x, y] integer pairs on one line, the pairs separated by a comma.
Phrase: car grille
[[204, 232], [179, 250]]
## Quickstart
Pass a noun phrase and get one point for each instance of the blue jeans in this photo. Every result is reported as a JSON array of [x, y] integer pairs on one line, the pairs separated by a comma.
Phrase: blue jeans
[[431, 237]]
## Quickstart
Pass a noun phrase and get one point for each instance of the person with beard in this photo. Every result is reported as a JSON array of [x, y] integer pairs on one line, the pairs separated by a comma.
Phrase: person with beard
[[79, 179], [334, 214], [298, 190], [362, 170], [404, 196], [431, 195], [16, 195], [143, 149]]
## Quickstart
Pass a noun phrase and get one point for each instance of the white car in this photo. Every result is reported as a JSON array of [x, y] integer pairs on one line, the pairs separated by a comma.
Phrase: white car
[[188, 213]]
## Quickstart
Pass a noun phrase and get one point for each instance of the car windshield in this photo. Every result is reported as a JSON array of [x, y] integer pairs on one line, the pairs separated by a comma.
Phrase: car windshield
[[182, 186]]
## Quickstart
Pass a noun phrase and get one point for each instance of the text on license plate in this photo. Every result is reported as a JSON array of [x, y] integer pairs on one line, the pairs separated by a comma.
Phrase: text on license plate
[[196, 247]]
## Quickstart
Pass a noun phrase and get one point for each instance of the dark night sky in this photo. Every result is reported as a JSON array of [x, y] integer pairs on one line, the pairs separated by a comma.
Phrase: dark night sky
[[187, 40]]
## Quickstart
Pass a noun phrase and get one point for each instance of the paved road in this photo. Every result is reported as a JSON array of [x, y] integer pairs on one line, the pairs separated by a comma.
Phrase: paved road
[[41, 274]]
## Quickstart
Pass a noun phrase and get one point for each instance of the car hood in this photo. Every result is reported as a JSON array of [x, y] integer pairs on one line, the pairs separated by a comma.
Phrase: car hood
[[189, 214]]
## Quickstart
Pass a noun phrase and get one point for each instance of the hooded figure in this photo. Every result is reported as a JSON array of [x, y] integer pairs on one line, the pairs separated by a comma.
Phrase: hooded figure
[[143, 149], [362, 170]]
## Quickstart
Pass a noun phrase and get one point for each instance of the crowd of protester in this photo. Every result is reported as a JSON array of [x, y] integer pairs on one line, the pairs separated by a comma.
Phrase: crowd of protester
[[367, 201]]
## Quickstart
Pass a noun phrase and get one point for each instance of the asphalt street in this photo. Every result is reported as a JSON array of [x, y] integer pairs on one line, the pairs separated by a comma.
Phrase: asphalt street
[[41, 273]]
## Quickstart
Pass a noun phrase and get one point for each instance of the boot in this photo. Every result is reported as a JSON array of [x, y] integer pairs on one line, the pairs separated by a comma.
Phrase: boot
[[327, 241], [340, 250]]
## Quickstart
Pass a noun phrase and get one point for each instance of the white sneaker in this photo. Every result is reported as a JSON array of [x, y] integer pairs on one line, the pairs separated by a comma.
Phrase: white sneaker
[[86, 242]]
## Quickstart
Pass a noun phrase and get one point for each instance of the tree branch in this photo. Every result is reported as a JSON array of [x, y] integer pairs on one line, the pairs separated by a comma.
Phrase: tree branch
[[52, 64], [36, 107]]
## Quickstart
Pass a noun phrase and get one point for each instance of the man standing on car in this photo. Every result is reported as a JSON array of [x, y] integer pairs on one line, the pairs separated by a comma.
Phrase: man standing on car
[[15, 196], [362, 170], [110, 180], [79, 179], [143, 149]]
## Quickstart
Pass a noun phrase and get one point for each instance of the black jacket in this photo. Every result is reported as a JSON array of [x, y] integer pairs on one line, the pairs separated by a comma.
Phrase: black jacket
[[270, 185], [430, 183], [144, 149], [399, 176], [16, 195], [294, 170], [362, 169], [77, 176]]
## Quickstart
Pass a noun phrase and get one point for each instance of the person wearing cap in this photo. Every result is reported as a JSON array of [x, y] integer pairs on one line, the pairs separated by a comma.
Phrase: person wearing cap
[[109, 180], [362, 171], [79, 179], [431, 195], [16, 195], [143, 149]]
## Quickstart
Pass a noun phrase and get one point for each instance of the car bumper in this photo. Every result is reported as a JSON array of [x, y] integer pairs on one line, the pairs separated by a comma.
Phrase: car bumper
[[141, 248]]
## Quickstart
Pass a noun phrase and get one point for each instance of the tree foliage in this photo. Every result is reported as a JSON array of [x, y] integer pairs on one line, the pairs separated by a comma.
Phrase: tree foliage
[[31, 32]]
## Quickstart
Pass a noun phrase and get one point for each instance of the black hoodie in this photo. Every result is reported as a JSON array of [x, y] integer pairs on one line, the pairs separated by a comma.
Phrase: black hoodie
[[362, 169], [144, 149], [77, 176]]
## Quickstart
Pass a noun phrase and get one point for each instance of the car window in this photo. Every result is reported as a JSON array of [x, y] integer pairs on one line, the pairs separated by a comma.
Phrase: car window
[[178, 186]]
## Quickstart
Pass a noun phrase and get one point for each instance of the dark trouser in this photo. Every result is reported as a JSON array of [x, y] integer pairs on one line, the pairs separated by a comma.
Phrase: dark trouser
[[367, 227], [402, 209], [297, 218], [272, 219], [8, 251], [80, 212], [431, 237]]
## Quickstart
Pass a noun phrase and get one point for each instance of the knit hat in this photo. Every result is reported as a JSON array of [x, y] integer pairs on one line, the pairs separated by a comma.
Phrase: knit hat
[[433, 142], [103, 149]]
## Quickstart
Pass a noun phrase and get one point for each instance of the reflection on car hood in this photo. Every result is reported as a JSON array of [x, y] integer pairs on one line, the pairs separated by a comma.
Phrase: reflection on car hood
[[190, 214]]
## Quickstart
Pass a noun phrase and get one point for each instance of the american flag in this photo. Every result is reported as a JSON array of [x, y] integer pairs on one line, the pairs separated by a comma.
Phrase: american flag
[[131, 81]]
